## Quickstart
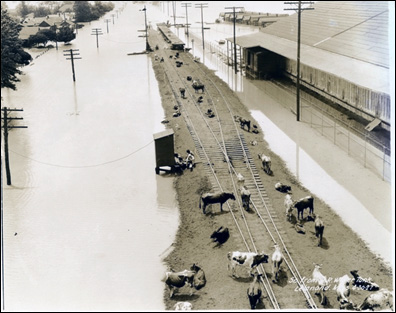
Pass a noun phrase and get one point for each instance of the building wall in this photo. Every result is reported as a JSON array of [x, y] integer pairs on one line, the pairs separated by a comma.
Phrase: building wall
[[360, 100]]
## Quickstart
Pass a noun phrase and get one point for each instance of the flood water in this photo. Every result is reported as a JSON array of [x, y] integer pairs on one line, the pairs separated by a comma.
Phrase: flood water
[[359, 196], [86, 219]]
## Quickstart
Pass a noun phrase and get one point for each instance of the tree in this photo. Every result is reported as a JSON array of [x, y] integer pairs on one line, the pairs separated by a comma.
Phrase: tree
[[41, 11], [38, 38], [23, 9], [12, 53], [65, 34], [82, 10]]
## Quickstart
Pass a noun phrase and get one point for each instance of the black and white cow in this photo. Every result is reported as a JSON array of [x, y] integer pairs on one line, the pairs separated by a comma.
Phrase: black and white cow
[[195, 278], [282, 188], [254, 291], [302, 204], [319, 228], [245, 197], [362, 283], [249, 260]]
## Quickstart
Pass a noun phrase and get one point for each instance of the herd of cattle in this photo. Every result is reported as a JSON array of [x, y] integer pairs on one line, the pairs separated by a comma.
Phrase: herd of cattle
[[195, 276]]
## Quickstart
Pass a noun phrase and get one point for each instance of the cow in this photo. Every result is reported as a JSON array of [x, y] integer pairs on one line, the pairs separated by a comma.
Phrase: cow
[[379, 300], [245, 197], [183, 306], [199, 277], [288, 202], [254, 291], [195, 278], [302, 204], [219, 197], [322, 283], [240, 179], [175, 280], [249, 260], [221, 235], [362, 283], [319, 228], [343, 290], [197, 85], [242, 122], [266, 161], [277, 259], [282, 188]]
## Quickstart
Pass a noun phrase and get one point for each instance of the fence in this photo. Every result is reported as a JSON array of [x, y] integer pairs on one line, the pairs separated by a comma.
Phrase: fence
[[369, 152]]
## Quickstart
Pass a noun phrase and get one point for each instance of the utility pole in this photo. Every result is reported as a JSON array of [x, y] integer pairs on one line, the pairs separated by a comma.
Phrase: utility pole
[[145, 24], [113, 17], [186, 5], [202, 6], [71, 53], [97, 32], [174, 13], [235, 55], [5, 133], [299, 9], [107, 20]]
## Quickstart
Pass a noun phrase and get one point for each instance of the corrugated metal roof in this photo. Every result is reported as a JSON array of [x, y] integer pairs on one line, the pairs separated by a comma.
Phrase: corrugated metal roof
[[343, 27], [359, 72], [346, 38]]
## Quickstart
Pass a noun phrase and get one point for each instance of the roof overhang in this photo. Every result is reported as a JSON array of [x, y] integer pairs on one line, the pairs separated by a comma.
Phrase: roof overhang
[[368, 75]]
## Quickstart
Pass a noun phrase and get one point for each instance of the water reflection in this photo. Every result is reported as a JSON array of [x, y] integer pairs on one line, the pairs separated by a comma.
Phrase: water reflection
[[316, 179], [315, 160], [80, 227]]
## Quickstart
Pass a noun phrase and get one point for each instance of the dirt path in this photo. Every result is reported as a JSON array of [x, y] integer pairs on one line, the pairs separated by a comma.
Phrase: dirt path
[[342, 249]]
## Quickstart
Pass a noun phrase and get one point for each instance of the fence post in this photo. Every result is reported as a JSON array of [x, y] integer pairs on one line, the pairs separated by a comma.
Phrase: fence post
[[349, 132], [335, 132], [365, 148], [322, 123]]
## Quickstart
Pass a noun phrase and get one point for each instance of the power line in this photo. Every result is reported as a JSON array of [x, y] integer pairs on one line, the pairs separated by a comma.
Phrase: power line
[[96, 32], [83, 166], [6, 127], [299, 9], [202, 6]]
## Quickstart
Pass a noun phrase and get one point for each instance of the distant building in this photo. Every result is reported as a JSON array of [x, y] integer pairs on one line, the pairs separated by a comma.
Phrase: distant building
[[344, 54]]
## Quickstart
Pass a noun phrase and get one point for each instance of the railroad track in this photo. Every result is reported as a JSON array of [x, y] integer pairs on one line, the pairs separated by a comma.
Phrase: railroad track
[[220, 143]]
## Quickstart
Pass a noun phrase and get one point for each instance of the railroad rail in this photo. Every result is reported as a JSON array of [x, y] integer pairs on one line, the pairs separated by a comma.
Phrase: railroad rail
[[220, 142]]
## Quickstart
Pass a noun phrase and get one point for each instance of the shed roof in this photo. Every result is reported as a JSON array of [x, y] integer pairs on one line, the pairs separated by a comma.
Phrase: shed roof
[[346, 38], [165, 133], [27, 31]]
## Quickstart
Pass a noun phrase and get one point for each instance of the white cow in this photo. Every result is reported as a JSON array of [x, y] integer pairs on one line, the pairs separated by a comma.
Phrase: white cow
[[321, 281], [380, 300], [343, 289], [249, 260], [277, 259], [288, 202], [183, 306]]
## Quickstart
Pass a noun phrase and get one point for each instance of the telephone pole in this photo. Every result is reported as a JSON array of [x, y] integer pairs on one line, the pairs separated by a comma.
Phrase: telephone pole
[[6, 127], [186, 5], [235, 55], [202, 6], [72, 54], [97, 32], [112, 15], [299, 9], [107, 20], [145, 24]]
